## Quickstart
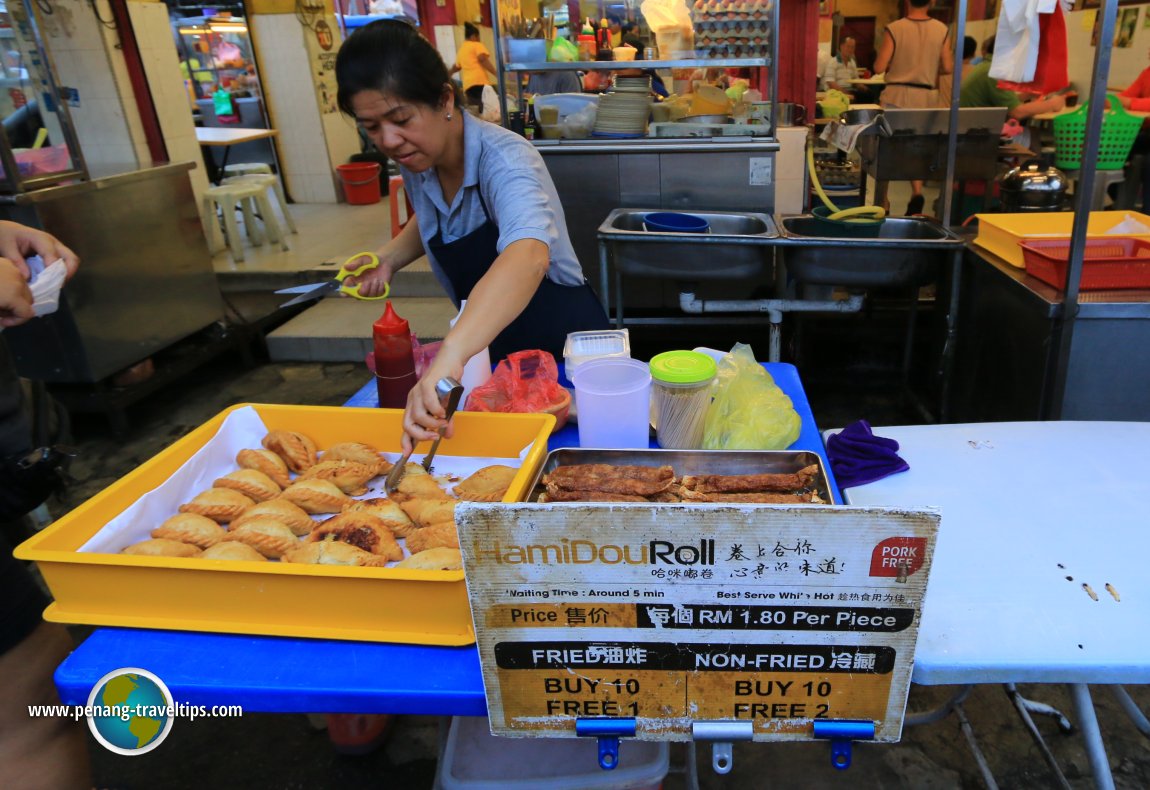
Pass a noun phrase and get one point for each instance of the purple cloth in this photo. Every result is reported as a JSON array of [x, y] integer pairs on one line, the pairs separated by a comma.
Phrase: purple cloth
[[859, 457]]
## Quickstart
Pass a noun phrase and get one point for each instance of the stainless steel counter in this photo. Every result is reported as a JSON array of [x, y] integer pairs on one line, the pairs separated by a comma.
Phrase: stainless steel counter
[[594, 177], [145, 278], [1007, 353]]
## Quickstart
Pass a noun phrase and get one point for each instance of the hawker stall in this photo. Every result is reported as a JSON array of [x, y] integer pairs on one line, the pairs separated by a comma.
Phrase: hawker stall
[[622, 552]]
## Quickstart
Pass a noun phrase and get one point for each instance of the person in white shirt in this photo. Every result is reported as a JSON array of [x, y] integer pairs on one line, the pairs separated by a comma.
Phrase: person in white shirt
[[842, 68], [824, 57]]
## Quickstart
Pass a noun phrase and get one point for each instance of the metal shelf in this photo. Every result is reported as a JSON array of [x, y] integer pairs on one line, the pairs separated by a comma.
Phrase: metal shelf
[[688, 63]]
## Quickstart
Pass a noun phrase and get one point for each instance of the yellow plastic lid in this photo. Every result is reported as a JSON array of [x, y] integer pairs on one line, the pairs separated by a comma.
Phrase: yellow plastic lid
[[682, 367]]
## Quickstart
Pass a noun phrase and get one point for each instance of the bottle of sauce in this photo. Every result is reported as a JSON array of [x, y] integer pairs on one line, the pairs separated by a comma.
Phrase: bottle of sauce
[[531, 128], [394, 359], [586, 42], [603, 41]]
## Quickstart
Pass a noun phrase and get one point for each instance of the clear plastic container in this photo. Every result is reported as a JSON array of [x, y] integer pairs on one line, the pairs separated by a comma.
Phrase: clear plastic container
[[585, 346], [680, 396], [613, 403]]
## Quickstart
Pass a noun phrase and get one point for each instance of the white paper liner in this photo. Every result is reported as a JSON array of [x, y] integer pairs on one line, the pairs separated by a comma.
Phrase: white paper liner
[[244, 429], [1129, 226]]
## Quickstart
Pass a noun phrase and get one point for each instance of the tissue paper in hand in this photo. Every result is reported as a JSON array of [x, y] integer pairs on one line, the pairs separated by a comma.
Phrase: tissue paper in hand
[[45, 283]]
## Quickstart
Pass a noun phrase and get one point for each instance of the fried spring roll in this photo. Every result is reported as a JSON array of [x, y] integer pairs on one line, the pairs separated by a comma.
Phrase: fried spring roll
[[717, 484], [636, 480], [564, 495], [762, 498]]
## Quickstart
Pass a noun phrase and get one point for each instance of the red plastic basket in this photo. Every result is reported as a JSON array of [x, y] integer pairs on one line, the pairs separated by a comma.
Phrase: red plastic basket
[[1120, 262]]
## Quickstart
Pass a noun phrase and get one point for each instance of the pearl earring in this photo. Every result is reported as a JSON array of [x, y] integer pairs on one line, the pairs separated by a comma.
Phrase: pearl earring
[[448, 116]]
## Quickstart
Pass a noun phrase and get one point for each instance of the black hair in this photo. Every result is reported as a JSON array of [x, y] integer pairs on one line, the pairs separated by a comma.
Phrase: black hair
[[969, 47], [920, 3], [638, 43], [389, 55], [988, 46], [470, 30]]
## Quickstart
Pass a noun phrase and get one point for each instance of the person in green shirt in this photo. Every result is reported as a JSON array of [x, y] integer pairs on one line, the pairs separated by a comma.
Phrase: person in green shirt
[[979, 89]]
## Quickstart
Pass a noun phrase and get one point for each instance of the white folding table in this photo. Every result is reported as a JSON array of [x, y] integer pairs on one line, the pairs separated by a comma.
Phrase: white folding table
[[1039, 571]]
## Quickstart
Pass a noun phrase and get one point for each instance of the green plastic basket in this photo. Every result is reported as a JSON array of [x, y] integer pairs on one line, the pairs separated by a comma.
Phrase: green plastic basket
[[1119, 128]]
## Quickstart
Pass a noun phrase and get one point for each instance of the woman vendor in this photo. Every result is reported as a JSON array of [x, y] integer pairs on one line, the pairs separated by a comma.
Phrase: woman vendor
[[486, 212]]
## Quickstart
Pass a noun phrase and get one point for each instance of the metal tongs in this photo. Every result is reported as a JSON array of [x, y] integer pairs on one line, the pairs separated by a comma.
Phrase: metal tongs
[[449, 391]]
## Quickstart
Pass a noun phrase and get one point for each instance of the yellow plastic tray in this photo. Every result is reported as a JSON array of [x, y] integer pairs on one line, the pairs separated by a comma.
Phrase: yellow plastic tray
[[330, 602], [1001, 233]]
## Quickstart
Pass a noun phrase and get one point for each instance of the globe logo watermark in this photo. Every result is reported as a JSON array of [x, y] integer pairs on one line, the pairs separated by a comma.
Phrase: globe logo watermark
[[130, 711]]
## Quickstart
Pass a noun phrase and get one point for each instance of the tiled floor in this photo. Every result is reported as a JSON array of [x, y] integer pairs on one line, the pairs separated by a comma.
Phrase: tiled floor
[[327, 232], [335, 329]]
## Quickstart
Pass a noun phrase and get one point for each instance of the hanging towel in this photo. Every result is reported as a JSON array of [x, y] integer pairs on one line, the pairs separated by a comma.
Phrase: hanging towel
[[859, 457], [1051, 73], [1017, 39]]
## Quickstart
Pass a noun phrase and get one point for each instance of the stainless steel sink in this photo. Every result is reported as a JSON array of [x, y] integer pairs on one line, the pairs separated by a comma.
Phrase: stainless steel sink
[[734, 249], [908, 251]]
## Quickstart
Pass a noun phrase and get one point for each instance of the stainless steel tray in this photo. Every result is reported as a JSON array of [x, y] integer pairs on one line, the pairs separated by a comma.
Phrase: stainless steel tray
[[690, 462]]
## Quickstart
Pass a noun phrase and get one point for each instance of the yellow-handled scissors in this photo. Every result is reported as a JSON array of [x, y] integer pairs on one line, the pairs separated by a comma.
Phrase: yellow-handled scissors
[[319, 290]]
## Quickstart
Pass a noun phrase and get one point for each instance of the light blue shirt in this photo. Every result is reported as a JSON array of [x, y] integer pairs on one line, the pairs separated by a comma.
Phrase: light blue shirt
[[517, 189]]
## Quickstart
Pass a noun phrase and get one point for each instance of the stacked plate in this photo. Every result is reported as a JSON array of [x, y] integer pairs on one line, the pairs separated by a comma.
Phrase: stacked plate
[[640, 84], [623, 112]]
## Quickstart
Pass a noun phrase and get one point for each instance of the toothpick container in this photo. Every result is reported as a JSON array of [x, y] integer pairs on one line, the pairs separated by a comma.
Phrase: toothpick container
[[681, 394]]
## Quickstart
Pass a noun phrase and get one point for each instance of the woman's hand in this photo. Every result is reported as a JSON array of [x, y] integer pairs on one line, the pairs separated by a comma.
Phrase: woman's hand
[[425, 415], [15, 295], [373, 282], [17, 241], [1125, 101]]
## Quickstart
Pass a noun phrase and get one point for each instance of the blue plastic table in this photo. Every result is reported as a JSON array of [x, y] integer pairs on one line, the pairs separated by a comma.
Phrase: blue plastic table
[[289, 675]]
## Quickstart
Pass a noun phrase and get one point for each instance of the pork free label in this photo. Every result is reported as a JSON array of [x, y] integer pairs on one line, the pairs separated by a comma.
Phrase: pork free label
[[671, 614]]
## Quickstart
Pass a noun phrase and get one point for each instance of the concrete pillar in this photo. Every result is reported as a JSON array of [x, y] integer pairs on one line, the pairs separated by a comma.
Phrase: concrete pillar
[[297, 71]]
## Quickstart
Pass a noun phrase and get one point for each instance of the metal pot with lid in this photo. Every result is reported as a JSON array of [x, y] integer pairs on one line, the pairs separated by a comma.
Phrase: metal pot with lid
[[1033, 186]]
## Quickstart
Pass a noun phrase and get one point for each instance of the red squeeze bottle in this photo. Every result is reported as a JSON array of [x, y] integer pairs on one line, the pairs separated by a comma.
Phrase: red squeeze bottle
[[394, 359]]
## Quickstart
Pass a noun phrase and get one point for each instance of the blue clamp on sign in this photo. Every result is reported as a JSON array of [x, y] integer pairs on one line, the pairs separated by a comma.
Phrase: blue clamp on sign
[[608, 731], [841, 732]]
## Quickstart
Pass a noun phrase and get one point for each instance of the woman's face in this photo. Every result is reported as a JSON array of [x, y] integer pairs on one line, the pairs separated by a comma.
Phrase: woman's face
[[413, 134]]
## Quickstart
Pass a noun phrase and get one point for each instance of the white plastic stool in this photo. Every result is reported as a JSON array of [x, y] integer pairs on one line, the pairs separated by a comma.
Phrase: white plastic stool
[[229, 197], [1102, 181], [247, 169], [268, 181], [264, 203]]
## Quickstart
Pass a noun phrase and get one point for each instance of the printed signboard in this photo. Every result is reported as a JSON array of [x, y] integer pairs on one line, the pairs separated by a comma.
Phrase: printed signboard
[[673, 614]]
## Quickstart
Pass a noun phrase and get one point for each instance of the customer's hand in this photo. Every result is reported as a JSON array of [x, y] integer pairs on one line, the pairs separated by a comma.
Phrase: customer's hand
[[1057, 102], [373, 282], [1125, 101], [18, 241], [15, 295]]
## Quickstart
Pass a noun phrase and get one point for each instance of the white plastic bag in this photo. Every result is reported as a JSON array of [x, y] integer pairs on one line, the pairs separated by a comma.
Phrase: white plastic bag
[[489, 105], [578, 125], [670, 21]]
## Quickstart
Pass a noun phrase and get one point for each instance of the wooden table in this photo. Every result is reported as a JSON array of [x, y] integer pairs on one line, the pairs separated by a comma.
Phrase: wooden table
[[216, 136]]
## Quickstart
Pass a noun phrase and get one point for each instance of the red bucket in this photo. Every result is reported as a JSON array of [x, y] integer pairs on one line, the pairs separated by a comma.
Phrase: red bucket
[[360, 182]]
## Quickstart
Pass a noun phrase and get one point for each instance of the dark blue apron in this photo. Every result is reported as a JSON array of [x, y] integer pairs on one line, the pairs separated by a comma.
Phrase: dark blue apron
[[553, 311]]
